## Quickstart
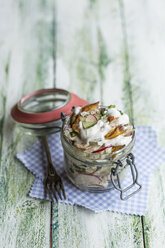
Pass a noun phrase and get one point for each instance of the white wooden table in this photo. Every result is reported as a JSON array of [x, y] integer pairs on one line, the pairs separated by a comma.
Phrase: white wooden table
[[107, 50]]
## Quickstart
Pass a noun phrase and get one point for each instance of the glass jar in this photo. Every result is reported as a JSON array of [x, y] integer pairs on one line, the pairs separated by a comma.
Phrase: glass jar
[[94, 172]]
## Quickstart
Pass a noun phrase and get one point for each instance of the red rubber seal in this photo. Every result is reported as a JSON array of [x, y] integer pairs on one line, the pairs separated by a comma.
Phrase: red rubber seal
[[38, 118]]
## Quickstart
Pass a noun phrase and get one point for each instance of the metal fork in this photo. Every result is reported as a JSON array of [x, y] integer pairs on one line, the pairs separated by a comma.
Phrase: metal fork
[[52, 181]]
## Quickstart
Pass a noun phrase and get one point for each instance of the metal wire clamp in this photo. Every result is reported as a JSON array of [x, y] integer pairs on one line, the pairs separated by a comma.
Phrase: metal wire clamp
[[115, 177]]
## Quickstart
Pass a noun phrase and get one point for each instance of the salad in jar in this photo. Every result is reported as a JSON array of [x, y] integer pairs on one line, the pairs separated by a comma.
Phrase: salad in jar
[[93, 137]]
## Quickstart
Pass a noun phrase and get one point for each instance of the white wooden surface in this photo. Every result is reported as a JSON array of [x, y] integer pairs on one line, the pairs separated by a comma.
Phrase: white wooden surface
[[112, 51]]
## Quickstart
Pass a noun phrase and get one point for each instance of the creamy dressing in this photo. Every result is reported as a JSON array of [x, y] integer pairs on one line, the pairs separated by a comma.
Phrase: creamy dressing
[[95, 135], [101, 128], [123, 119], [114, 112]]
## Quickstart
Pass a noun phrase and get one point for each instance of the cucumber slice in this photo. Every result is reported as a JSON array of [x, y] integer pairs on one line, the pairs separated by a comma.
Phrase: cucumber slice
[[98, 117], [89, 121], [87, 124]]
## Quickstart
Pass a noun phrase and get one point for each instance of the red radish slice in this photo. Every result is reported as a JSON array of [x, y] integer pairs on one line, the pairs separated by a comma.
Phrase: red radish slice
[[120, 127], [87, 180], [89, 121], [102, 149], [98, 117], [91, 118]]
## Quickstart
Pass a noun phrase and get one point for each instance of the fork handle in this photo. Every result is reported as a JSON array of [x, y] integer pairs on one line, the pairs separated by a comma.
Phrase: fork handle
[[48, 154]]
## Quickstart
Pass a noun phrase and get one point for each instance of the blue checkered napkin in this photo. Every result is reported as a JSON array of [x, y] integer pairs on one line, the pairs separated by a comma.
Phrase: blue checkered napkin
[[148, 156]]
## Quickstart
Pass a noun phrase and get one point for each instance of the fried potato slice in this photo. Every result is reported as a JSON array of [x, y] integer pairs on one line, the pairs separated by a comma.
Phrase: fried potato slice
[[116, 148], [114, 133], [75, 124], [72, 118], [89, 107], [113, 156], [108, 135]]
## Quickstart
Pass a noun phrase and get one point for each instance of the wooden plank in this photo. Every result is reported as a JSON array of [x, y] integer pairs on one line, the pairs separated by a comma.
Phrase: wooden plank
[[79, 227], [90, 62], [26, 47], [144, 25]]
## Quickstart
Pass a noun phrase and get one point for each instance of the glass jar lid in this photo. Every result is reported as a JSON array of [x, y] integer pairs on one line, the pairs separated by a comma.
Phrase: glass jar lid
[[39, 112]]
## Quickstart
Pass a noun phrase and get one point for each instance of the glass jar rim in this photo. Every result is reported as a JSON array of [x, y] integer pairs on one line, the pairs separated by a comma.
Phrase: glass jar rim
[[24, 101]]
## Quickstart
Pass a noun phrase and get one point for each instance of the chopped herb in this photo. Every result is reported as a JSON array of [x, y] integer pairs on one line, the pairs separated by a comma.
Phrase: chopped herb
[[112, 106], [104, 111], [121, 112], [73, 134]]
